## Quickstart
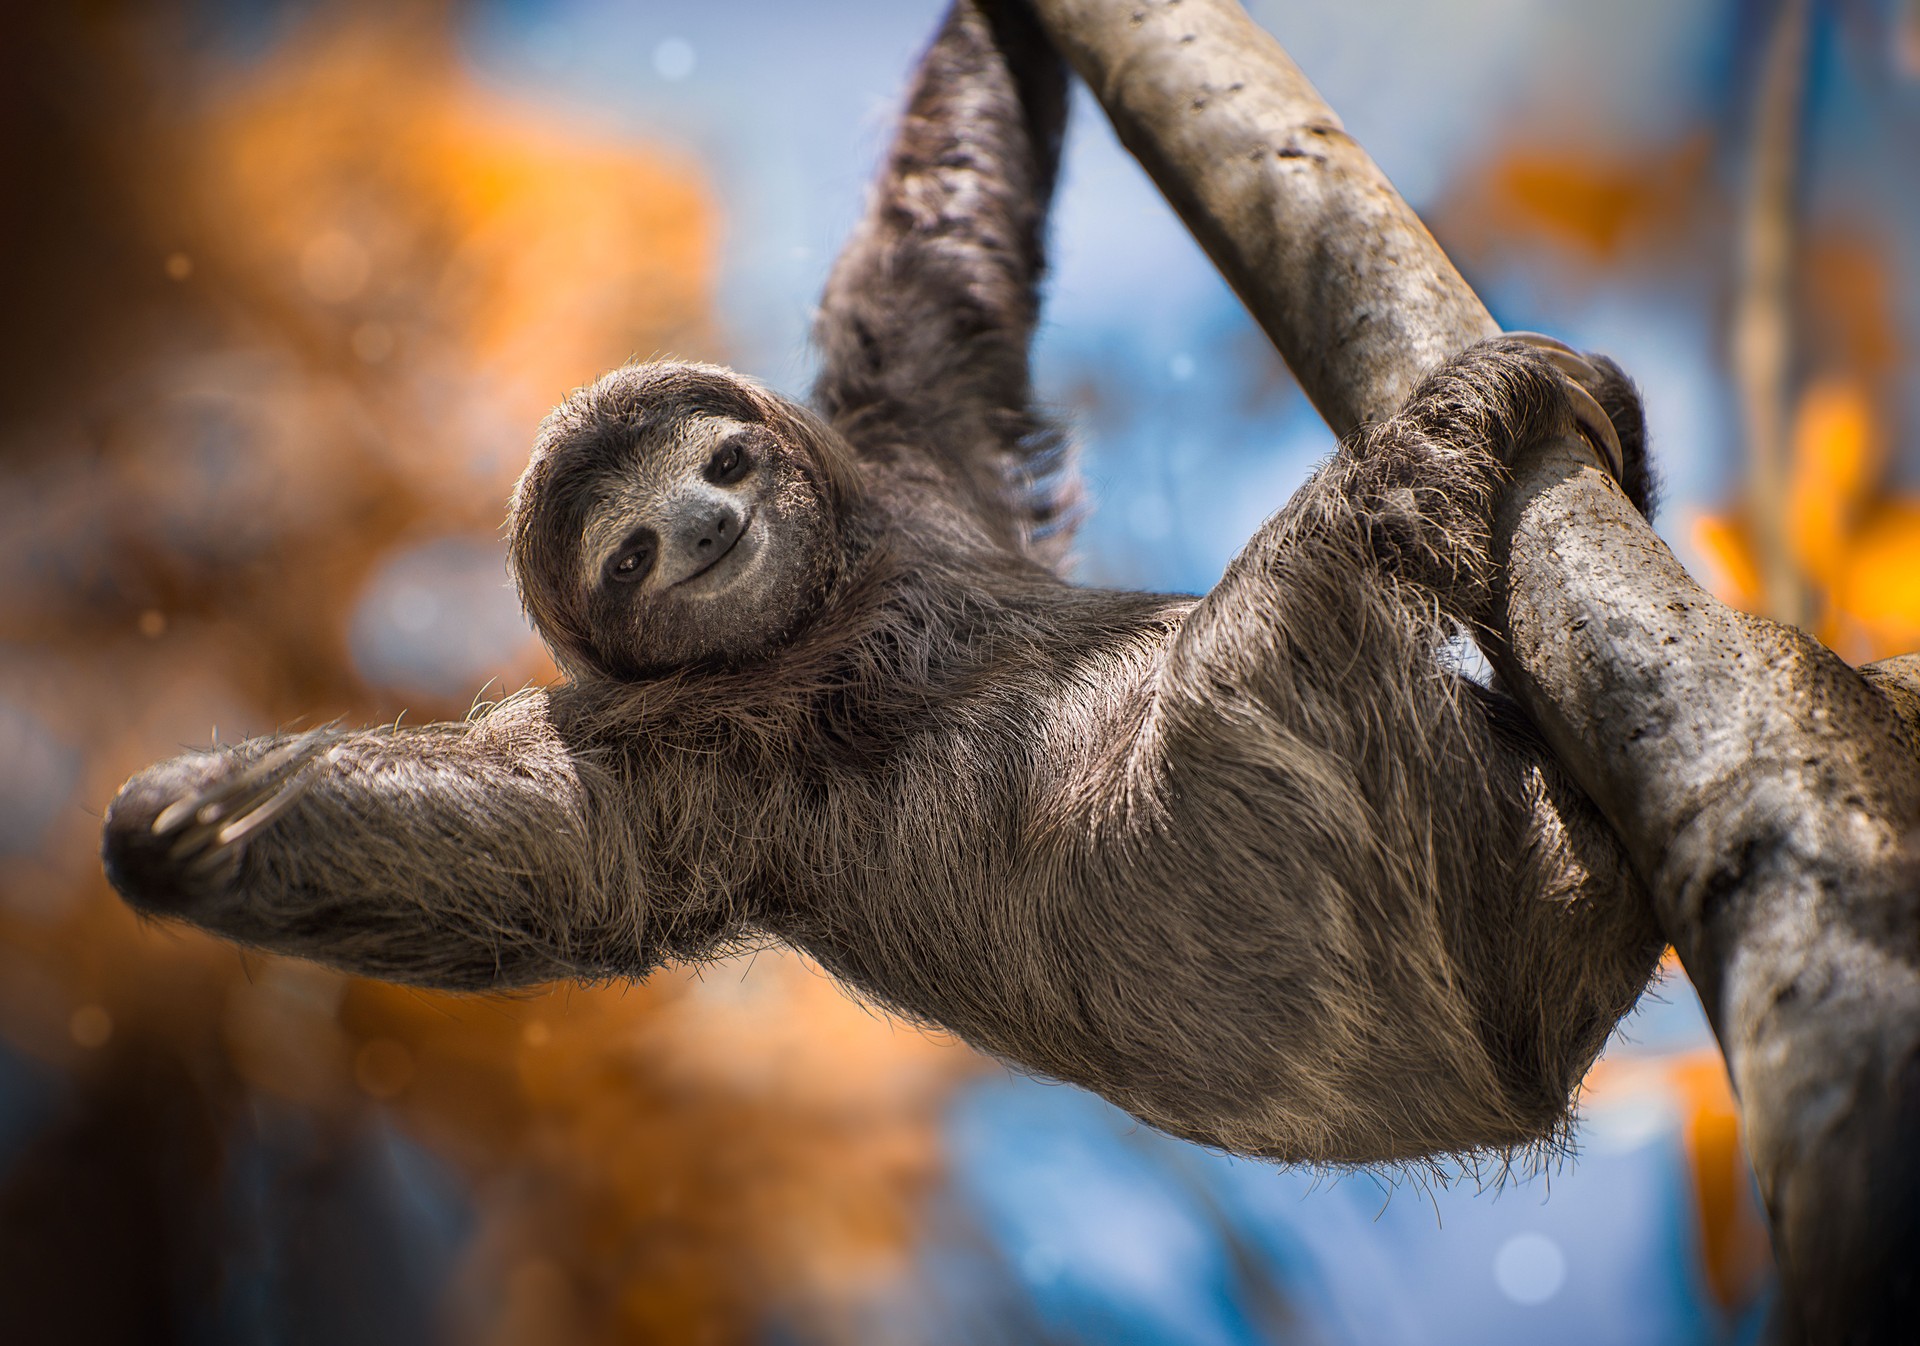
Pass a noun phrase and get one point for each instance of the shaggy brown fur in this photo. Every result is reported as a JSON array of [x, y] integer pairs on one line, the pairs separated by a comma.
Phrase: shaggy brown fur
[[1252, 866]]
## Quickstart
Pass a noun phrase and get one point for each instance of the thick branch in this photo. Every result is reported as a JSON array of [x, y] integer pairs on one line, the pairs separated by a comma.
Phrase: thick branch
[[1331, 261], [1768, 794]]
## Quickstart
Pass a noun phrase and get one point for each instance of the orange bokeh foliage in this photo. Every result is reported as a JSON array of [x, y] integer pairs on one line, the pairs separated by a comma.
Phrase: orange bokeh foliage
[[1595, 206], [373, 277], [1854, 542], [1836, 462], [1733, 1251], [532, 247], [1734, 1248]]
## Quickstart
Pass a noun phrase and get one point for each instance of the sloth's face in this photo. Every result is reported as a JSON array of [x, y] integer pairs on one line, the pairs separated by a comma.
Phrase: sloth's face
[[709, 543], [673, 515]]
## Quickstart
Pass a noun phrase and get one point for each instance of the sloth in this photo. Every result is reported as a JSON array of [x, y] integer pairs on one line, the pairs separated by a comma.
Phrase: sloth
[[1259, 867]]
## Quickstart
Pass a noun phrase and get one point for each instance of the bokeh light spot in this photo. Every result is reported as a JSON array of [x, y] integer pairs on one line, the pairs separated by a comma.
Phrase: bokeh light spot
[[438, 618], [40, 775], [91, 1027], [1530, 1268], [334, 267], [383, 1068], [372, 342], [673, 59]]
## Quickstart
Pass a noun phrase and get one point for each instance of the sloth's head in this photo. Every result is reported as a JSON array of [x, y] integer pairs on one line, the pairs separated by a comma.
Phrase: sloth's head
[[677, 514]]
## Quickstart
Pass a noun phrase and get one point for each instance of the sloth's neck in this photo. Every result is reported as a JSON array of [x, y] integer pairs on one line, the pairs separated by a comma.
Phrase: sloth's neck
[[941, 678], [912, 624]]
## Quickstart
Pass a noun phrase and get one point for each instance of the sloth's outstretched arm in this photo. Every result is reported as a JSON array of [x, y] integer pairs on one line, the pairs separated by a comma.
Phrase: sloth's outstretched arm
[[467, 856], [924, 327]]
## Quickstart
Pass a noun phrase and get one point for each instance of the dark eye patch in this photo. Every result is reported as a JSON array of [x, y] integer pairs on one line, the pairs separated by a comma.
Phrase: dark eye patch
[[634, 559], [733, 459]]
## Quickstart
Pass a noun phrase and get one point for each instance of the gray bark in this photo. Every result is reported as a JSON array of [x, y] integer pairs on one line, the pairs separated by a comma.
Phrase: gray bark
[[1767, 794]]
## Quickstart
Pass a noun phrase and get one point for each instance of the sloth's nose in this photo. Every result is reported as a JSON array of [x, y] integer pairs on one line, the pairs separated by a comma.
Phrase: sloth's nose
[[722, 528], [701, 533]]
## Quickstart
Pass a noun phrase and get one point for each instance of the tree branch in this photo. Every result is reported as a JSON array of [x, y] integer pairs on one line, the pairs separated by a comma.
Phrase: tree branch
[[1767, 794], [1337, 268], [1763, 304]]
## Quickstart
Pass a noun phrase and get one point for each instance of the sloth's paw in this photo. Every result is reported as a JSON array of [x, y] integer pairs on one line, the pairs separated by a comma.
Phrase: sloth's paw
[[176, 832]]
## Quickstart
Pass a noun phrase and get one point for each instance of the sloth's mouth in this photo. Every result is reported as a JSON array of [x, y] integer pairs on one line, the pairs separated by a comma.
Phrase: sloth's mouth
[[718, 556]]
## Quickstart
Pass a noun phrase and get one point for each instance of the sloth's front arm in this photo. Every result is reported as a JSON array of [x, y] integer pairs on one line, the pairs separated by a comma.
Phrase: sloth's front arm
[[467, 856], [1381, 943]]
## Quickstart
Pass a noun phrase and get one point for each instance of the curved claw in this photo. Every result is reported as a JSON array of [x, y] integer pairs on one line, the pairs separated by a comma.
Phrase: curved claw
[[1591, 417], [166, 863], [239, 798]]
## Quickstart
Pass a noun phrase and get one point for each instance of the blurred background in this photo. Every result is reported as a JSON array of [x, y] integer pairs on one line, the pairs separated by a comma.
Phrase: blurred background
[[288, 285]]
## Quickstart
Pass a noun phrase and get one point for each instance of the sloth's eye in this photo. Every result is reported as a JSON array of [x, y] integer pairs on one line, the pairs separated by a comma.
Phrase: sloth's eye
[[633, 561], [729, 462]]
